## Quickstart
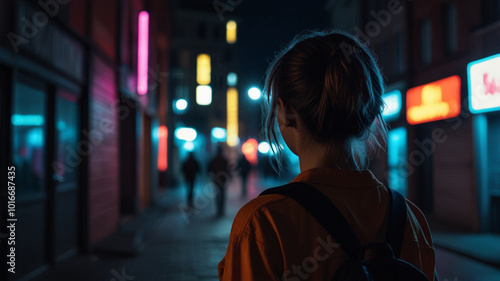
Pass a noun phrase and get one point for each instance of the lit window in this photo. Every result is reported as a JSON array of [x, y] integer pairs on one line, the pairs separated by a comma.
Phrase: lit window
[[203, 69], [231, 29], [204, 95]]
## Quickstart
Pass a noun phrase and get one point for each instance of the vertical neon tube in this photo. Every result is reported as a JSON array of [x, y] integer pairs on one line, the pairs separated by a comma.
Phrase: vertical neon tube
[[162, 148], [143, 53], [232, 117]]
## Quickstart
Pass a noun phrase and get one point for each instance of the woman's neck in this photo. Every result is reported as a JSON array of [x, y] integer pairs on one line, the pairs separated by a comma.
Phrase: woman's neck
[[320, 155]]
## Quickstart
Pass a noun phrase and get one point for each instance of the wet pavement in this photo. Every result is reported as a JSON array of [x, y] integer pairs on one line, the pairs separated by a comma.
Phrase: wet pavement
[[180, 243]]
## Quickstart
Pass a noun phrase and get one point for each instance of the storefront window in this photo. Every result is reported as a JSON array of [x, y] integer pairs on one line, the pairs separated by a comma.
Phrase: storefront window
[[28, 138], [68, 159]]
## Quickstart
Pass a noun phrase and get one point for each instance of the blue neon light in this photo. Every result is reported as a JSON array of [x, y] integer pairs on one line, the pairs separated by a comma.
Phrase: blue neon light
[[393, 104], [397, 160], [219, 134], [27, 120]]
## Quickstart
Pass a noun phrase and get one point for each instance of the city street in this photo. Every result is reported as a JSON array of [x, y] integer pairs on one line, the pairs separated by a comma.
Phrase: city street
[[185, 246]]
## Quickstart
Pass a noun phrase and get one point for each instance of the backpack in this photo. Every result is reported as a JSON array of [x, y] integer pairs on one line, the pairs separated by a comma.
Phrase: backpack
[[371, 262]]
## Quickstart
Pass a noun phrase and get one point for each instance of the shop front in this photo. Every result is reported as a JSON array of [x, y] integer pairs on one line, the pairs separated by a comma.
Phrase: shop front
[[484, 103]]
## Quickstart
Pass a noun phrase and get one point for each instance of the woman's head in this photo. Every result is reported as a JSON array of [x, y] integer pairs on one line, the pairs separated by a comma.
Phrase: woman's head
[[332, 82]]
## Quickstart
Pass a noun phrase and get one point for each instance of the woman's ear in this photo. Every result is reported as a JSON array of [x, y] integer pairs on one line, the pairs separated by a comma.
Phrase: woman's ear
[[286, 114]]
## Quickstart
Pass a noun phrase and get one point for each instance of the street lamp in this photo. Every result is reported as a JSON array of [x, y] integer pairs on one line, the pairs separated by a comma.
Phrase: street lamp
[[254, 93], [181, 104]]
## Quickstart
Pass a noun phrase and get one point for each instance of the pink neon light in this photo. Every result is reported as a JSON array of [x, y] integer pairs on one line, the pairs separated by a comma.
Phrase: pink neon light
[[143, 53]]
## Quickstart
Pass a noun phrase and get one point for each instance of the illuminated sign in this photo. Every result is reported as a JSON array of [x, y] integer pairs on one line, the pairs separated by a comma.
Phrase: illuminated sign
[[484, 84], [143, 53], [27, 120], [434, 101], [232, 116], [392, 107], [162, 148]]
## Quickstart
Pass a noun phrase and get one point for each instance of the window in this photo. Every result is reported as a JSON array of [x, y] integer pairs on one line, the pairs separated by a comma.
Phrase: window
[[67, 128], [425, 41], [450, 28], [28, 120]]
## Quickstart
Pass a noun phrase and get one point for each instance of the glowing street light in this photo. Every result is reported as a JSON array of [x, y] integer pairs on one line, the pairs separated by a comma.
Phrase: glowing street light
[[254, 93], [264, 147], [219, 134], [186, 134], [232, 79], [189, 146], [181, 104]]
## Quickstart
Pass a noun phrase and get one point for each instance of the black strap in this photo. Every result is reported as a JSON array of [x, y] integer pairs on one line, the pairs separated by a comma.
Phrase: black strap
[[397, 222], [325, 212], [329, 216]]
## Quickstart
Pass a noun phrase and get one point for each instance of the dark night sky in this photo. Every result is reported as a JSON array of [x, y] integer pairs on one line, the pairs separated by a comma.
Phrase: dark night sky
[[265, 28]]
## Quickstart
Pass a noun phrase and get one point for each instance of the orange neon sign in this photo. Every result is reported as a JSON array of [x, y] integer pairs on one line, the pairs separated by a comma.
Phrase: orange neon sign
[[162, 148], [434, 101]]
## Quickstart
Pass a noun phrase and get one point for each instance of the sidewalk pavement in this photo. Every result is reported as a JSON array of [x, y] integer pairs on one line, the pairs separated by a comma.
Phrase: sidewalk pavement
[[168, 242], [482, 247], [175, 242]]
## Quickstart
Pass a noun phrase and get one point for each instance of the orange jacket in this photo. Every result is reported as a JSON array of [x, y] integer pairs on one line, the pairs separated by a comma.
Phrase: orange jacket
[[275, 238]]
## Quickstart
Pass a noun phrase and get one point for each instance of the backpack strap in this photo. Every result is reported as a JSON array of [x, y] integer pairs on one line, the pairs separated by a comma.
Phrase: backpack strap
[[330, 217], [397, 222], [324, 211]]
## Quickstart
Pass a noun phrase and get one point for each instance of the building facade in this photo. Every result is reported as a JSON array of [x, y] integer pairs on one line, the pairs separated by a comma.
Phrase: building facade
[[204, 57], [443, 160], [79, 135]]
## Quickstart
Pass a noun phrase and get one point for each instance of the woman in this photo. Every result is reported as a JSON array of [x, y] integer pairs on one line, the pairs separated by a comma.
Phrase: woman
[[325, 93]]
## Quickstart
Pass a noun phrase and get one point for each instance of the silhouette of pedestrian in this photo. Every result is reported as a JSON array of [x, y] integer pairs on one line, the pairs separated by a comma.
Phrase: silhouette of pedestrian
[[243, 168], [190, 168], [220, 175]]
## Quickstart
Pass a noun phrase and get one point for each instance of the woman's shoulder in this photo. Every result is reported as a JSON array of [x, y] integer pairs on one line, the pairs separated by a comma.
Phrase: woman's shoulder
[[256, 213], [419, 224]]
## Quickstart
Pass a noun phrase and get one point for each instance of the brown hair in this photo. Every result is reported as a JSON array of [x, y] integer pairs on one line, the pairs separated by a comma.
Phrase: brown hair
[[332, 81]]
